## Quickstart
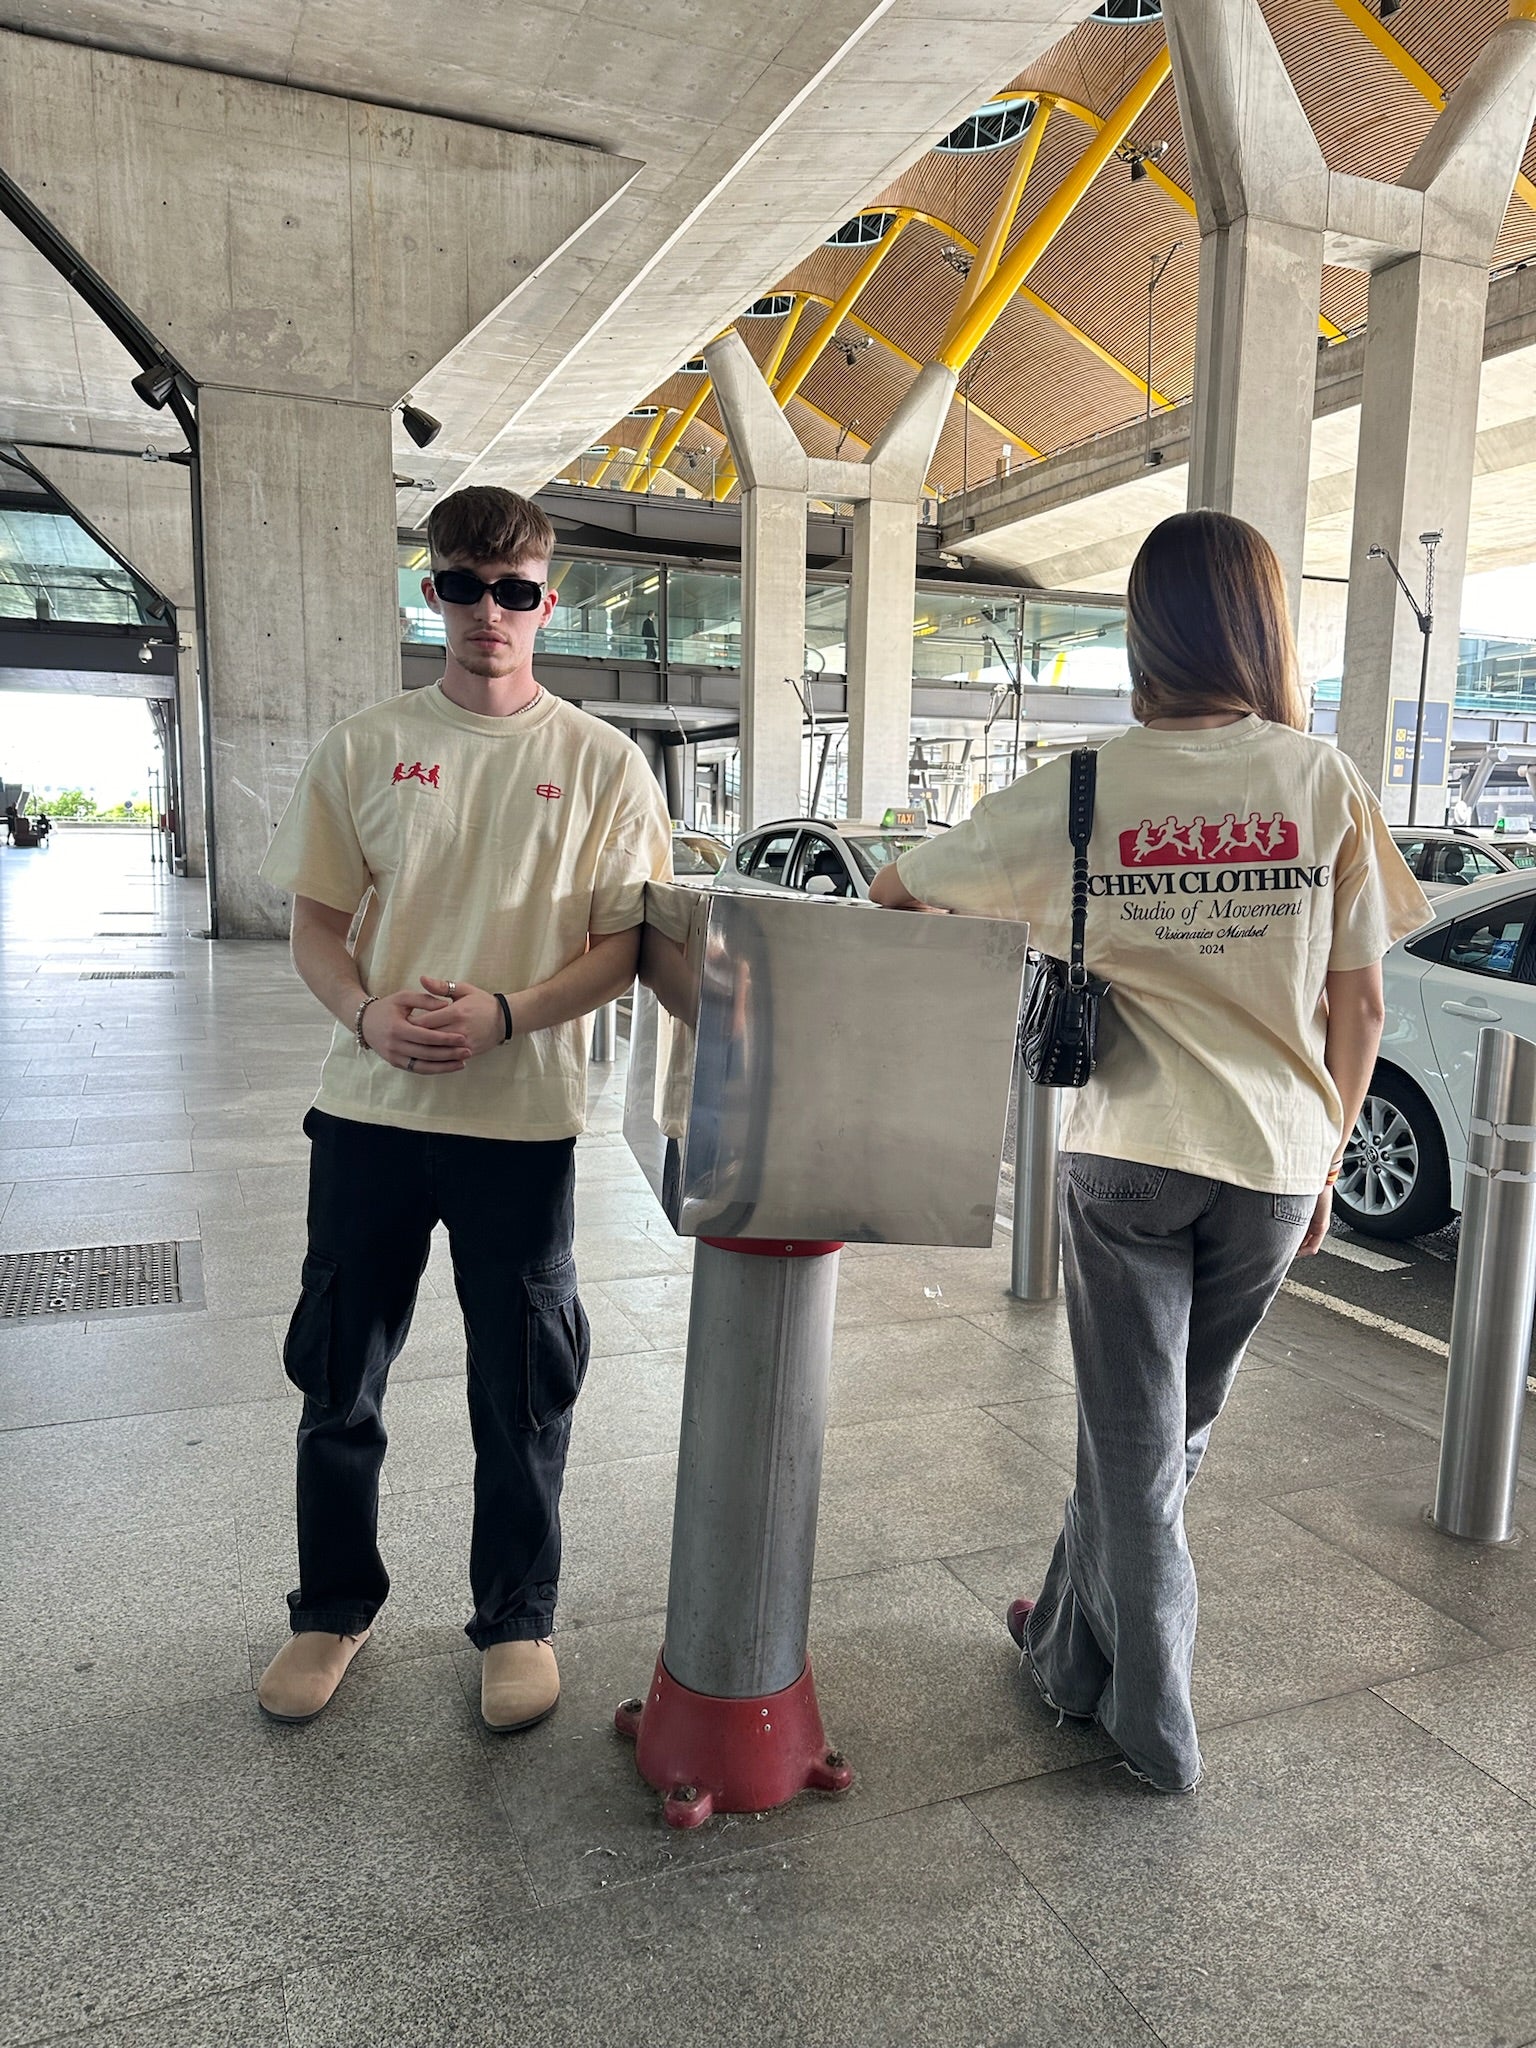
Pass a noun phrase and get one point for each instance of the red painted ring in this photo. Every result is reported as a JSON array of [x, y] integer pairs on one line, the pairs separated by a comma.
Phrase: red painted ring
[[776, 1247]]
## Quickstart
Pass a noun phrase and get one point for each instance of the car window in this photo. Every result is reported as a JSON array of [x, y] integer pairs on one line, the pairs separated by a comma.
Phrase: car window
[[820, 859], [1412, 851], [1451, 861], [746, 853], [1520, 852], [1489, 942], [688, 859], [874, 851], [770, 862]]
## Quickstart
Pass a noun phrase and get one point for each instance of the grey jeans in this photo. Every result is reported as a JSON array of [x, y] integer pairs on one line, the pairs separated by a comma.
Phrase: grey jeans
[[1168, 1276]]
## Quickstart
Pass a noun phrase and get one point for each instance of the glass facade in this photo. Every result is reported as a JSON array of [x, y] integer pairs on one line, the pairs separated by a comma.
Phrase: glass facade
[[703, 618], [1497, 676], [608, 611], [614, 611], [50, 568], [974, 642]]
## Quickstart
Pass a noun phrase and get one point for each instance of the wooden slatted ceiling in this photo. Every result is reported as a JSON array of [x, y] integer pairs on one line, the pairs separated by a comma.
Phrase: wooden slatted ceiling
[[1051, 391], [1096, 63]]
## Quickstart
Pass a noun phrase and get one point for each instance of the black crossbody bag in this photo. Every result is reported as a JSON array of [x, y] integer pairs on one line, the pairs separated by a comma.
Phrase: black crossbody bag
[[1059, 1034]]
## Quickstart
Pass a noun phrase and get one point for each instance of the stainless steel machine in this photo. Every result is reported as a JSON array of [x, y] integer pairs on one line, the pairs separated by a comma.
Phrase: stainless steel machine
[[802, 1074]]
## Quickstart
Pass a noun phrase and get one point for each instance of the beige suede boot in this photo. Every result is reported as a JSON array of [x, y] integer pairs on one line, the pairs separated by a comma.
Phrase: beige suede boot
[[306, 1671], [519, 1686]]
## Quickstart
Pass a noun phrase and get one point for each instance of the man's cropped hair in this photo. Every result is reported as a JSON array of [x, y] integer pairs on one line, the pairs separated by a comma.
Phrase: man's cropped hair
[[483, 524]]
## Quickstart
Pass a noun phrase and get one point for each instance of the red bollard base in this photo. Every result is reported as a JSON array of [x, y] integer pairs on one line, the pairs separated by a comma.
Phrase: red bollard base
[[729, 1756]]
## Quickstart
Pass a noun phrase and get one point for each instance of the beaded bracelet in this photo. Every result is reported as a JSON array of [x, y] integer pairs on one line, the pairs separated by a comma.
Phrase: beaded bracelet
[[357, 1024]]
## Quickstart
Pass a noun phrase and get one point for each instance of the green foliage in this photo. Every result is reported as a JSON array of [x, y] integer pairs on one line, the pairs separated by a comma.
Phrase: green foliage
[[71, 803]]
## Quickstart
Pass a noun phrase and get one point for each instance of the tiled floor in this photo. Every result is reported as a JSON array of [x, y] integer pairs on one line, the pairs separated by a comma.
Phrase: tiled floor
[[1356, 1869]]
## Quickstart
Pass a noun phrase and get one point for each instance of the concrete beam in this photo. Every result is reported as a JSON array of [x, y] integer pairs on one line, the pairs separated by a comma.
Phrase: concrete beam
[[305, 259], [288, 240]]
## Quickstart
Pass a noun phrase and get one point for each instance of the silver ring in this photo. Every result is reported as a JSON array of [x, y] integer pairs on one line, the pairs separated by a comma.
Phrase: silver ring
[[453, 988], [410, 1065]]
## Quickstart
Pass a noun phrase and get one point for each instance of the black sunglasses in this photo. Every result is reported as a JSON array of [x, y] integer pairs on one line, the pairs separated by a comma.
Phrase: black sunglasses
[[512, 593]]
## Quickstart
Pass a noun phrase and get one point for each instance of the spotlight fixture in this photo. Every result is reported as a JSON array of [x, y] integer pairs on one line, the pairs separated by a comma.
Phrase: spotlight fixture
[[155, 385], [421, 426], [851, 349], [1389, 8], [1138, 159], [957, 259]]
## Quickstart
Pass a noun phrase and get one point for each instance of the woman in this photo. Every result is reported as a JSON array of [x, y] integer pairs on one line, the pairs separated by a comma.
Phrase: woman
[[1243, 891]]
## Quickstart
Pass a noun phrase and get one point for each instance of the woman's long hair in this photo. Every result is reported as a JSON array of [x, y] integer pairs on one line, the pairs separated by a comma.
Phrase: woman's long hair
[[1208, 627]]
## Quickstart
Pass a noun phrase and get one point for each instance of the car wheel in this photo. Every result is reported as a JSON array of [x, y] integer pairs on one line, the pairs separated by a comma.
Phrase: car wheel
[[1395, 1180]]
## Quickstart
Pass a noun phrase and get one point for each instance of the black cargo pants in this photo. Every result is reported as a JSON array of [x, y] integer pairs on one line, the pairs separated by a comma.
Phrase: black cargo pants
[[375, 1193]]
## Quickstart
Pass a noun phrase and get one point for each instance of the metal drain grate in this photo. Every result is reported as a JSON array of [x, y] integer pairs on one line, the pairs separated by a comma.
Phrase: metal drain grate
[[130, 934], [131, 974], [91, 1278]]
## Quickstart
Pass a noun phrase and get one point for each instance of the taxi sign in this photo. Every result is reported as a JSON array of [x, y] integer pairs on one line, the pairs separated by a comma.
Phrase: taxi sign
[[908, 820]]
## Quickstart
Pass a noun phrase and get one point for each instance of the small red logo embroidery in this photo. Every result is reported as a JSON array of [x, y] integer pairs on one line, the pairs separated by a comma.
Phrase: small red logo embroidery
[[416, 773], [1200, 843], [549, 791]]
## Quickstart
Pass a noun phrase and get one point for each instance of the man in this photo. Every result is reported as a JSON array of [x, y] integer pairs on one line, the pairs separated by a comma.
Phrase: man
[[468, 866]]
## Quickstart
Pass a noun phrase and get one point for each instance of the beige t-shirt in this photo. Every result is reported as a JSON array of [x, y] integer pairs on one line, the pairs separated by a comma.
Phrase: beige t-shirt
[[491, 848], [1230, 870]]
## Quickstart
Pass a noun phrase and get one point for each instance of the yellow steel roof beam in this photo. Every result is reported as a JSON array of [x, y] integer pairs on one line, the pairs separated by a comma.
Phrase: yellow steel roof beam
[[676, 431], [638, 469], [606, 464], [1008, 433], [811, 354], [984, 269], [775, 361], [1408, 66], [1057, 212], [1096, 121]]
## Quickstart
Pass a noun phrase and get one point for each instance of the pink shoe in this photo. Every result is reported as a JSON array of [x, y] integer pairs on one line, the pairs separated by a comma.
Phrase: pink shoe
[[1019, 1612]]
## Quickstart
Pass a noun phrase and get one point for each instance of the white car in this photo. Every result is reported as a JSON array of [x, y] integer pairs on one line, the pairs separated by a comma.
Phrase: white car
[[1453, 857], [820, 856], [697, 857], [1474, 965]]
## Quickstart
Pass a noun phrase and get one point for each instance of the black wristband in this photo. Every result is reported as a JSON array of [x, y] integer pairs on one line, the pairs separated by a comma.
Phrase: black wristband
[[506, 1015]]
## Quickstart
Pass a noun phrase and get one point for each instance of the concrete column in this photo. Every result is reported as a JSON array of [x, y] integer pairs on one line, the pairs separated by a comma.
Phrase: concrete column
[[1418, 421], [299, 568], [304, 261], [880, 599], [1320, 636], [777, 480], [1261, 190], [774, 479], [143, 510]]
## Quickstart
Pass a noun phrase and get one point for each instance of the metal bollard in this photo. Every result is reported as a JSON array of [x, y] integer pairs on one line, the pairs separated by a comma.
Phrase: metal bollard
[[1495, 1294], [605, 1034], [749, 1470], [731, 1723], [1036, 1213]]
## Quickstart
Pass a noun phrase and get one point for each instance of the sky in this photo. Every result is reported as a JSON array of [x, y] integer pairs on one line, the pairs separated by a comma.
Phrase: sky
[[103, 745], [1500, 604]]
